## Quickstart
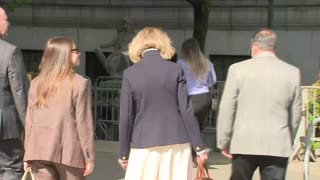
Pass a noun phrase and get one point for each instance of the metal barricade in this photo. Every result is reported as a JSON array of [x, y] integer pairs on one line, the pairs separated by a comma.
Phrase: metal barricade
[[209, 131], [106, 107], [216, 93], [308, 140], [310, 111]]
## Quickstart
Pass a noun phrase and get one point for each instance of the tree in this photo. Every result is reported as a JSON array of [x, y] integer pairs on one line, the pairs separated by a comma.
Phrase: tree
[[270, 14], [11, 5], [200, 21]]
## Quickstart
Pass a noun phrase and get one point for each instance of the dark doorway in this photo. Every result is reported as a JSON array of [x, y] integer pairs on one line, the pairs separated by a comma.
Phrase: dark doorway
[[222, 63], [94, 68], [32, 59]]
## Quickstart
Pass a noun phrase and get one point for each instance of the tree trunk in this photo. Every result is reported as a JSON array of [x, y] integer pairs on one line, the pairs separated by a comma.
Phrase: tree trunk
[[270, 15], [200, 21]]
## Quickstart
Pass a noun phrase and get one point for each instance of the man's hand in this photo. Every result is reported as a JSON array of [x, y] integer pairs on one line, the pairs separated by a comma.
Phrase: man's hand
[[89, 168], [123, 164], [226, 153]]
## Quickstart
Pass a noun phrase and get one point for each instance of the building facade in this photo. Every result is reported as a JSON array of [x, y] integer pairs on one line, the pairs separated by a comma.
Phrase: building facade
[[231, 26]]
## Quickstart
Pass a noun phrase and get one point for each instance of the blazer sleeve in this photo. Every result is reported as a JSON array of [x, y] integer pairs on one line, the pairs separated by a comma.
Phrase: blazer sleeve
[[19, 83], [83, 109], [126, 118], [28, 121], [227, 110], [189, 119], [295, 109]]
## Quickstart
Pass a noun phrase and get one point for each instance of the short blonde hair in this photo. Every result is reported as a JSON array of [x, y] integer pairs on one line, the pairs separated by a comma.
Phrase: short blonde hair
[[150, 37]]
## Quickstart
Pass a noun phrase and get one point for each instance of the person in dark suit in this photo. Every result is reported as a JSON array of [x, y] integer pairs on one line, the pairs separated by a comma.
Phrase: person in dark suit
[[13, 102], [157, 123]]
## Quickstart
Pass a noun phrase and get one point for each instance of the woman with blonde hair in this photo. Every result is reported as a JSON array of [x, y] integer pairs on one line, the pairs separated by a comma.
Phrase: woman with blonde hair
[[59, 141], [200, 76], [157, 125]]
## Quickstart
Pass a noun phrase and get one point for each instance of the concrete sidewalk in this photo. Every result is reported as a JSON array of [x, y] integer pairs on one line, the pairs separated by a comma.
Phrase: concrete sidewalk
[[107, 167]]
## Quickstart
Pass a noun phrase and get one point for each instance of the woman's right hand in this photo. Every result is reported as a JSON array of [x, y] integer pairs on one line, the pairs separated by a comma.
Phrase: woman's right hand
[[25, 165], [202, 158], [123, 164], [89, 168]]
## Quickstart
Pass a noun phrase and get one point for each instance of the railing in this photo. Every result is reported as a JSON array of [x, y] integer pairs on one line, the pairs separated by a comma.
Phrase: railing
[[107, 105], [106, 108], [308, 139], [216, 93], [310, 111]]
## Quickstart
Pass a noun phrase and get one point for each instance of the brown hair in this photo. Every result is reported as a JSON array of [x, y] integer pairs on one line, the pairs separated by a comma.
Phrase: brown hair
[[54, 67], [195, 60]]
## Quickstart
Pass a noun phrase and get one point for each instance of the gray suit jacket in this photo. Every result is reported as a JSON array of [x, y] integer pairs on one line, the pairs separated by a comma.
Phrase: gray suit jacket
[[155, 109], [13, 91], [260, 108]]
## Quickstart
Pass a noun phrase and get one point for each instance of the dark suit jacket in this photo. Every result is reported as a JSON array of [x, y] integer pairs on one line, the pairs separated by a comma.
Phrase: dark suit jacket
[[155, 109], [13, 91]]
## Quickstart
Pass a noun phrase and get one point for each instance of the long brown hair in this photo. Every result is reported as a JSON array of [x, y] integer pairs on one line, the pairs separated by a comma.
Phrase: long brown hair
[[196, 62], [54, 67]]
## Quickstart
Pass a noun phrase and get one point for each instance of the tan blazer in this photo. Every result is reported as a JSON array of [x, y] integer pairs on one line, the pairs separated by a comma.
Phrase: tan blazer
[[260, 108], [62, 132]]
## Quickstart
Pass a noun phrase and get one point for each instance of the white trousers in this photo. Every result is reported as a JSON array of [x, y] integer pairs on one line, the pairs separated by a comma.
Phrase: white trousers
[[172, 162]]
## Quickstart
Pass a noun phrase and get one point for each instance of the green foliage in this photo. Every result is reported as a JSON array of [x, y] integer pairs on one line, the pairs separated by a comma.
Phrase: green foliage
[[12, 5], [313, 110], [315, 145]]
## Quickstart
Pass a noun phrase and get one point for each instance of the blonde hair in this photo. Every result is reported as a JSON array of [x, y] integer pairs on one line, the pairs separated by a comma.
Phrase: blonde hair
[[54, 67], [194, 58], [150, 37]]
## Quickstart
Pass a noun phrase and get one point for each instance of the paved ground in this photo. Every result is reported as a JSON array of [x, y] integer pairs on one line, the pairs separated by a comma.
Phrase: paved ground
[[219, 167]]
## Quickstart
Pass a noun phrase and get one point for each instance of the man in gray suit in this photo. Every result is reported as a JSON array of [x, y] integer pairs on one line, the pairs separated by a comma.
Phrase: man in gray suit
[[260, 112], [13, 103]]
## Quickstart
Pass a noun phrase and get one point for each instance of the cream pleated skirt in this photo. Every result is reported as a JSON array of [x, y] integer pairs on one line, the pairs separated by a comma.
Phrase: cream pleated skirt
[[172, 162]]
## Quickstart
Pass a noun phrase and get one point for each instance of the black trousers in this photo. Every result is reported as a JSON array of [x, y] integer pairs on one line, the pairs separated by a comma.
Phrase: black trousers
[[270, 167], [11, 154], [201, 104]]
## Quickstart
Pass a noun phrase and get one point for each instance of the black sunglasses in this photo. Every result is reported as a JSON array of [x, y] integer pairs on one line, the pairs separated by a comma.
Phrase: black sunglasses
[[75, 50]]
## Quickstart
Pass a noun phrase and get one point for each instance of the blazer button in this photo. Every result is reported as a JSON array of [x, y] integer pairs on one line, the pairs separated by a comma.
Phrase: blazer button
[[197, 148], [124, 158]]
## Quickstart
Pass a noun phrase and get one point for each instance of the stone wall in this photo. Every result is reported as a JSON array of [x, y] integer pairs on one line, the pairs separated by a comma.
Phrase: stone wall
[[174, 14], [231, 25]]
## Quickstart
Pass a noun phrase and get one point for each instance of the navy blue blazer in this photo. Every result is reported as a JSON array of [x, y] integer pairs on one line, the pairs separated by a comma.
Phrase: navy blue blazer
[[155, 109]]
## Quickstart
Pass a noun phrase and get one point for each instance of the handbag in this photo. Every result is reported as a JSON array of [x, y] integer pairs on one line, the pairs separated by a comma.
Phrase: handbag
[[28, 175], [202, 173]]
